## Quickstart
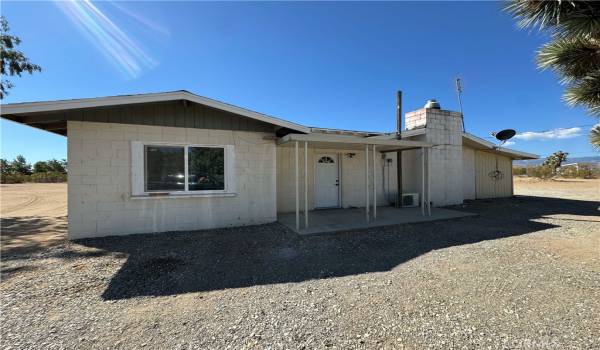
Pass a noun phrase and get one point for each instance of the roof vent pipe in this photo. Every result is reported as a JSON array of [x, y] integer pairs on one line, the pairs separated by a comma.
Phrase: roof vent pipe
[[433, 104]]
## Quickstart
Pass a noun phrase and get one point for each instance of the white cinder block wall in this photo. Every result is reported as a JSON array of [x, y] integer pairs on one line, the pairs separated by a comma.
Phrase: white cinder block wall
[[352, 177], [444, 130], [99, 191]]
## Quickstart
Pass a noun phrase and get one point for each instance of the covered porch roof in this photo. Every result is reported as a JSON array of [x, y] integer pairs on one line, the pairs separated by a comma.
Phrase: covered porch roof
[[320, 140]]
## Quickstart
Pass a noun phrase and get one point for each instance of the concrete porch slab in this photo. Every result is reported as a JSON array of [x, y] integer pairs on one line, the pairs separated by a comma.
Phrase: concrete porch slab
[[333, 220]]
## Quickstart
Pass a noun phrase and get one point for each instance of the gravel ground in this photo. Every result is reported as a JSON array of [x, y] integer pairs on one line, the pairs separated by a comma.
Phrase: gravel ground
[[524, 273]]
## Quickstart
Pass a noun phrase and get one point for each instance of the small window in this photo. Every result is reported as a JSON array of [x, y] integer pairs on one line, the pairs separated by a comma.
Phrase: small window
[[206, 168], [165, 168], [326, 159]]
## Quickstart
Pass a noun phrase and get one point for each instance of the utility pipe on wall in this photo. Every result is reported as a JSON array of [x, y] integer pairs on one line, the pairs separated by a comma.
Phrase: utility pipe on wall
[[399, 152], [367, 181], [297, 190]]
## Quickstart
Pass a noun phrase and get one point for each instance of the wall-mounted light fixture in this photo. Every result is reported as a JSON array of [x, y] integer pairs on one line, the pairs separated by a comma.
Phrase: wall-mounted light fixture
[[350, 155]]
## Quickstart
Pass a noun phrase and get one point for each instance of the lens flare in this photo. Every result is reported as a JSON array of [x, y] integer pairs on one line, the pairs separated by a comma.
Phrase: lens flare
[[119, 49]]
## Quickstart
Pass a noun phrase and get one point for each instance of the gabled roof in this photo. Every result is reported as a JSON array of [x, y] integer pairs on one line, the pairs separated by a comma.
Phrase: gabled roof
[[64, 105]]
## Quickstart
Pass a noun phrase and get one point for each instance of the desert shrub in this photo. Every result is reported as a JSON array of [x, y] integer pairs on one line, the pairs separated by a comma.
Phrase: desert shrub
[[519, 171], [48, 177], [583, 171], [13, 178], [542, 171]]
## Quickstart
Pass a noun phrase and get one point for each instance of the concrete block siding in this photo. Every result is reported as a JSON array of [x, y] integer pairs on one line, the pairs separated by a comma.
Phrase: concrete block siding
[[99, 190], [352, 178], [444, 130]]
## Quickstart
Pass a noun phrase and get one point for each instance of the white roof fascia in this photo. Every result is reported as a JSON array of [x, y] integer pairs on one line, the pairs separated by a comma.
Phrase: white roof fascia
[[342, 139], [491, 146], [49, 106]]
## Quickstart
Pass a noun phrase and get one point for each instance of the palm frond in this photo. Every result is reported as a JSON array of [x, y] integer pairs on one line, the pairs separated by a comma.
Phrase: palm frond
[[537, 13], [573, 58], [585, 92], [567, 18], [595, 137]]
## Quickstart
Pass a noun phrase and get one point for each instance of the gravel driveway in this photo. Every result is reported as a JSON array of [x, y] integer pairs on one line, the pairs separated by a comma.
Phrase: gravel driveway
[[524, 273]]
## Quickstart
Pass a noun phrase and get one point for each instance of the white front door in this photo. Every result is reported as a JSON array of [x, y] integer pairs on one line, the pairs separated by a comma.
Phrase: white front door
[[327, 181]]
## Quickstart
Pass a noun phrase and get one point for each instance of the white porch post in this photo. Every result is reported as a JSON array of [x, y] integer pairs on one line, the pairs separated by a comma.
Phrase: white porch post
[[367, 181], [305, 184], [423, 181], [374, 184], [427, 152], [297, 190]]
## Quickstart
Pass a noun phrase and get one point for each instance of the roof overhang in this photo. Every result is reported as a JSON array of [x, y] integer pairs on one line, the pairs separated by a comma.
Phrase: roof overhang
[[333, 141], [478, 143], [12, 111]]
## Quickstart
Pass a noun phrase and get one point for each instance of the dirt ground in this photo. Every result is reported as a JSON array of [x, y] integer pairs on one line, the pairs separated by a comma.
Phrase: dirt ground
[[522, 274], [587, 189], [34, 216]]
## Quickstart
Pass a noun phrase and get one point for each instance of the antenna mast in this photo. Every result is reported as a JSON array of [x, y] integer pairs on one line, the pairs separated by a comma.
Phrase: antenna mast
[[458, 94]]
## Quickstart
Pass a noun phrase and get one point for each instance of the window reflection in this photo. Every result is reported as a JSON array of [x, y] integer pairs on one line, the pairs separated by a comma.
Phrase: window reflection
[[165, 169]]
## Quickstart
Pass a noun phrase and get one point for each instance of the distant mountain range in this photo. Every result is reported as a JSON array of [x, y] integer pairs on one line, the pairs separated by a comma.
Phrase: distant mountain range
[[534, 162]]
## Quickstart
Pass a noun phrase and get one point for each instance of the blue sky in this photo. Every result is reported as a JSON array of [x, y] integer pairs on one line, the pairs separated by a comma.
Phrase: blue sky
[[328, 64]]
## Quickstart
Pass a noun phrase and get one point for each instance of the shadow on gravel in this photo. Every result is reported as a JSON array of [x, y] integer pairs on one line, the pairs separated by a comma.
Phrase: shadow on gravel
[[174, 263], [31, 234]]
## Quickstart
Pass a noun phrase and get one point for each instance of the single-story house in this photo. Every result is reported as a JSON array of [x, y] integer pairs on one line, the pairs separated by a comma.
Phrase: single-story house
[[176, 161]]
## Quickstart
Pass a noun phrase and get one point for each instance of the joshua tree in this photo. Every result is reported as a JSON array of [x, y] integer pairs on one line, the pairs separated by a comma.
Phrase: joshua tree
[[574, 52], [555, 160], [14, 61]]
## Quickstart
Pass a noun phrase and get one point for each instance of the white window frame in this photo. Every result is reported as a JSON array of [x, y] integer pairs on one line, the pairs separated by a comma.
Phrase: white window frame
[[138, 171]]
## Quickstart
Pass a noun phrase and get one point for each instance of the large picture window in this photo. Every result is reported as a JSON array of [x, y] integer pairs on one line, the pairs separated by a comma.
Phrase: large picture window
[[184, 168]]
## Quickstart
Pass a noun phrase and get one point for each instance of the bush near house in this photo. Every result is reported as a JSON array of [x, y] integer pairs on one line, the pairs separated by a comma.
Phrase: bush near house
[[19, 171]]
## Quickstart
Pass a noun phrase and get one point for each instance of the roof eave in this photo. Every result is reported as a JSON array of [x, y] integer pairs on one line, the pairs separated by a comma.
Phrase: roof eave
[[49, 106], [486, 145]]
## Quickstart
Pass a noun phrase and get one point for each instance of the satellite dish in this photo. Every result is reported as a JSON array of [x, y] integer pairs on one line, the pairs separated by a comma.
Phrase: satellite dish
[[502, 136], [505, 134]]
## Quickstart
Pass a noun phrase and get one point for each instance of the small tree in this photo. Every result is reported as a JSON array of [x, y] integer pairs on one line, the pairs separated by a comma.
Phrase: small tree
[[58, 166], [14, 61], [5, 167], [41, 167], [20, 166], [555, 160]]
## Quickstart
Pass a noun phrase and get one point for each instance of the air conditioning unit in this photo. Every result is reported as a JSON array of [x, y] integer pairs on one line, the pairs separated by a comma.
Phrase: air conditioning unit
[[410, 199]]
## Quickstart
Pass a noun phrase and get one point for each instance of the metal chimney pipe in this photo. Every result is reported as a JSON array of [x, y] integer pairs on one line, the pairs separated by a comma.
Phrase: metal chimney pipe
[[398, 203], [399, 115]]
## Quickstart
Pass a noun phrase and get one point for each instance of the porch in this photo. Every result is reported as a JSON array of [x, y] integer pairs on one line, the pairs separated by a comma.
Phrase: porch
[[316, 171], [334, 220]]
